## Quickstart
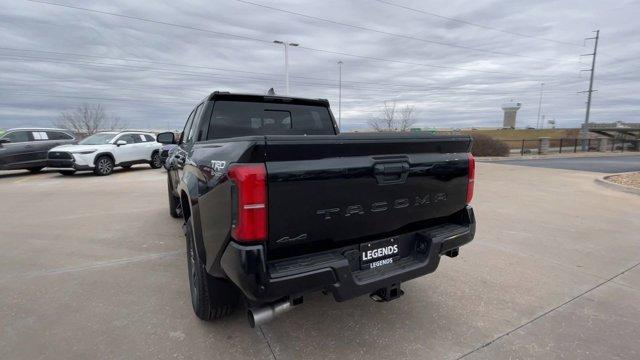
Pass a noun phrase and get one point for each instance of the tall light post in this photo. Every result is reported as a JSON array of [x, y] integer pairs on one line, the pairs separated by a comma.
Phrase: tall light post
[[540, 105], [286, 61], [340, 95], [584, 132]]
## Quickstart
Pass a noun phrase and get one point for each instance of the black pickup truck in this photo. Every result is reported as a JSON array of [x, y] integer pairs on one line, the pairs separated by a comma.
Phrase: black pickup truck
[[278, 204]]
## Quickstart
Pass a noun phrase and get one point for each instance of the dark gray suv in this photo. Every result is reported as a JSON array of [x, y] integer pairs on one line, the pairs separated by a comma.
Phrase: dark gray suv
[[27, 148]]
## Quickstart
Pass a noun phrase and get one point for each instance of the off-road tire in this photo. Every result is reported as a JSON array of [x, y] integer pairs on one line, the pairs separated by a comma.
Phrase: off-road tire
[[211, 298], [103, 166], [67, 172]]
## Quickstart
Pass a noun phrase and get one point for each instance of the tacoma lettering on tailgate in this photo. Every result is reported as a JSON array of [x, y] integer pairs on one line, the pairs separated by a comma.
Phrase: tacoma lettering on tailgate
[[381, 206]]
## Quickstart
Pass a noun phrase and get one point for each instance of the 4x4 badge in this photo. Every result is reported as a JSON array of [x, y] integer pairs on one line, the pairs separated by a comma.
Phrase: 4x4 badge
[[287, 239]]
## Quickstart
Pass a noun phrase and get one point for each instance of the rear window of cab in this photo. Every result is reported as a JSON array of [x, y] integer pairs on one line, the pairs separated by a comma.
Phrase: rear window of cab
[[244, 118]]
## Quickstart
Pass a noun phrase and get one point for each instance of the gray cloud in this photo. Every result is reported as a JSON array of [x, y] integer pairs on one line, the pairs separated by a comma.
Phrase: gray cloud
[[151, 74]]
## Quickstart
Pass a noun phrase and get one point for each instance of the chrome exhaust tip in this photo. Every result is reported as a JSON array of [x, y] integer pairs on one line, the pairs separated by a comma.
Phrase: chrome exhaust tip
[[262, 315]]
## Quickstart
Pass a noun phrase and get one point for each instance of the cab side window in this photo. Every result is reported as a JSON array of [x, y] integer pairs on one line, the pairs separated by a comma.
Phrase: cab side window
[[187, 127], [189, 136], [17, 136]]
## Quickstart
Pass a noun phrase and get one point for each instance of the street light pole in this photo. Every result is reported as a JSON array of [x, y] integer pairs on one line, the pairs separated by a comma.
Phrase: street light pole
[[540, 105], [286, 62], [340, 95], [584, 132]]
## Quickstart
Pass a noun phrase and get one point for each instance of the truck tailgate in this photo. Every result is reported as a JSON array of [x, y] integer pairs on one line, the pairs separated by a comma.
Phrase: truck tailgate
[[329, 191]]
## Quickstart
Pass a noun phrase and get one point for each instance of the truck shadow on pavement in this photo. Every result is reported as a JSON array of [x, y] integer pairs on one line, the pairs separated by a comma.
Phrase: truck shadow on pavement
[[323, 326]]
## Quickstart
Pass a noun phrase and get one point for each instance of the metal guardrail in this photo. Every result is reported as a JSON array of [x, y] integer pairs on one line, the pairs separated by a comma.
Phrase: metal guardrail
[[615, 125], [570, 145]]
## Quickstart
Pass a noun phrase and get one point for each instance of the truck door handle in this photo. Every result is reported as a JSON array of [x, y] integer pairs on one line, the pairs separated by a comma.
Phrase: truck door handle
[[391, 173]]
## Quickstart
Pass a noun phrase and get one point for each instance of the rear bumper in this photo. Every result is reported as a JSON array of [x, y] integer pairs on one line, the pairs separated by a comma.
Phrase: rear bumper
[[338, 271]]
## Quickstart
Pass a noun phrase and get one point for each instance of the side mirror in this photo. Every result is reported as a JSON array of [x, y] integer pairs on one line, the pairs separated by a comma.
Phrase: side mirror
[[166, 138], [4, 141], [121, 142]]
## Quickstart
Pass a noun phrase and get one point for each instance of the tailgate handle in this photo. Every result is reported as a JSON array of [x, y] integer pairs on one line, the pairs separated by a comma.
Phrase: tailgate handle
[[391, 173]]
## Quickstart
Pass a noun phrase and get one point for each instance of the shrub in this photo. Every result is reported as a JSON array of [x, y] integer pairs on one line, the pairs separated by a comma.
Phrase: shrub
[[484, 145]]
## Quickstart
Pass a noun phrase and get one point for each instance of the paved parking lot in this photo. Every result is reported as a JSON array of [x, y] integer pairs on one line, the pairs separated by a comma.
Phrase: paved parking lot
[[602, 164], [94, 267]]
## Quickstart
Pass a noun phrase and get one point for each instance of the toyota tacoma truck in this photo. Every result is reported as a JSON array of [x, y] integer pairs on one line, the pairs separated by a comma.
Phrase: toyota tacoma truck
[[278, 204]]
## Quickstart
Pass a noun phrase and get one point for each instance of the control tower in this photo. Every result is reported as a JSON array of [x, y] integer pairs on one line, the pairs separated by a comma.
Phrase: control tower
[[510, 110]]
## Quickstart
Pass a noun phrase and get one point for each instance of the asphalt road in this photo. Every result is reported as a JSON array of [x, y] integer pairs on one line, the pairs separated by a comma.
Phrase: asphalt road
[[94, 267], [603, 164]]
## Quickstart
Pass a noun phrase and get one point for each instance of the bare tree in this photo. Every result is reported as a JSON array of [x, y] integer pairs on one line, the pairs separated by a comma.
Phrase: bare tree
[[89, 119], [386, 120], [390, 119], [407, 117]]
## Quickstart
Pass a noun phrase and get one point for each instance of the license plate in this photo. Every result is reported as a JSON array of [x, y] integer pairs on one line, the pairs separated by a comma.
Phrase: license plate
[[379, 253]]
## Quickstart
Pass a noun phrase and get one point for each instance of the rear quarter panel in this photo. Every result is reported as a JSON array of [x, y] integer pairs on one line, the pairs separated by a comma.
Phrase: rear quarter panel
[[207, 186]]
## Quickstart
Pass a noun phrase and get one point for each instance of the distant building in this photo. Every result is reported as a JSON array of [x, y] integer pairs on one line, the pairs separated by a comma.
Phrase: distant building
[[510, 109]]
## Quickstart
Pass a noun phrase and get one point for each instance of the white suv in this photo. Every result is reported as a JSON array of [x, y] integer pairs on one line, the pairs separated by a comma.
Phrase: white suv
[[103, 151]]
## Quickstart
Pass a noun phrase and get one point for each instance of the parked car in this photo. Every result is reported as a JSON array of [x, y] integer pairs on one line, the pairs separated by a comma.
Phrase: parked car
[[277, 204], [26, 148], [104, 151]]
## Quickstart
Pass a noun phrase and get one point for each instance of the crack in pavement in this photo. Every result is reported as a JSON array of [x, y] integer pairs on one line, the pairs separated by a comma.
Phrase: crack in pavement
[[94, 266], [273, 354], [549, 311]]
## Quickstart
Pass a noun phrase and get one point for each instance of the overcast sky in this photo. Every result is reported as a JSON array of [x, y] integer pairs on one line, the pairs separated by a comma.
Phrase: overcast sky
[[456, 73]]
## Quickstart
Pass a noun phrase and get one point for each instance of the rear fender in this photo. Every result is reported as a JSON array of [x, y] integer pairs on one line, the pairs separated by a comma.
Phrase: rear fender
[[187, 188]]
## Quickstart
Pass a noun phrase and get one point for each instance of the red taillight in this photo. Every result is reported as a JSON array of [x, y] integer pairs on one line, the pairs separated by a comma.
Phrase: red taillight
[[249, 221], [472, 177]]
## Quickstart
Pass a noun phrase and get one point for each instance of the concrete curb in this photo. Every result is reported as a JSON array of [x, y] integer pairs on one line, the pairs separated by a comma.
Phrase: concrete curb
[[553, 156], [611, 185]]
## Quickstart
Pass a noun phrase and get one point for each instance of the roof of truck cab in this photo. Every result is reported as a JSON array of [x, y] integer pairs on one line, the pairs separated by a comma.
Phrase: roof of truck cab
[[223, 95]]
